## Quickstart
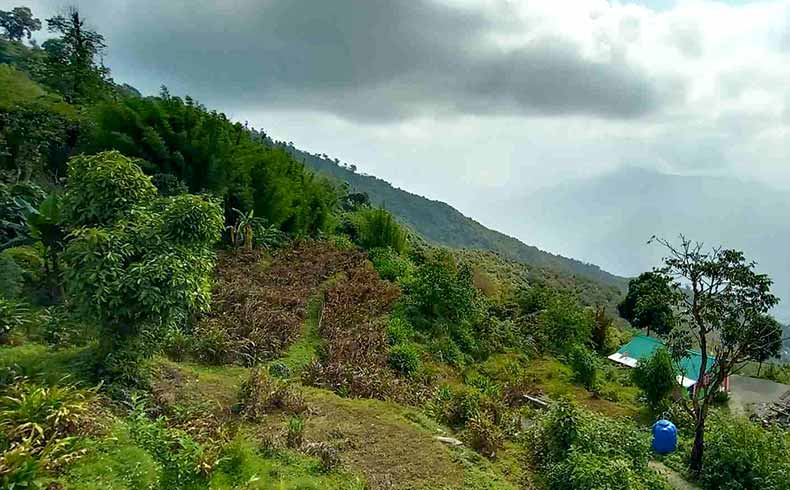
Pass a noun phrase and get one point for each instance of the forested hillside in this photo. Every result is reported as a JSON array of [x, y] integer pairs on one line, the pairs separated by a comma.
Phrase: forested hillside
[[185, 306], [443, 224]]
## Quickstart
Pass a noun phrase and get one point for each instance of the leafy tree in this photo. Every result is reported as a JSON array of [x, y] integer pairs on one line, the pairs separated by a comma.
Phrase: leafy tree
[[71, 59], [656, 378], [19, 23], [442, 289], [137, 265], [723, 314], [648, 303], [561, 322], [771, 331], [602, 325]]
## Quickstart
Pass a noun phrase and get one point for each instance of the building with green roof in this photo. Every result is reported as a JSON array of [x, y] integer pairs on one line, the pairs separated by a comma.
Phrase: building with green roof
[[642, 347]]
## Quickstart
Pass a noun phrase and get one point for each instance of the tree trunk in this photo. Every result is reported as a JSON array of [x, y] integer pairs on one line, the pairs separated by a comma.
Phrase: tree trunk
[[759, 368], [699, 444]]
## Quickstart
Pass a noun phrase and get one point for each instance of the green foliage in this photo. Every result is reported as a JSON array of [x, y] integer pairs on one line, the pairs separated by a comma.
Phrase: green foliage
[[585, 364], [17, 201], [656, 378], [294, 435], [590, 471], [40, 426], [19, 23], [399, 331], [13, 316], [378, 229], [186, 463], [71, 66], [390, 264], [208, 152], [169, 184], [559, 319], [404, 358], [148, 267], [442, 289], [742, 456], [11, 277], [648, 303], [577, 450], [103, 188]]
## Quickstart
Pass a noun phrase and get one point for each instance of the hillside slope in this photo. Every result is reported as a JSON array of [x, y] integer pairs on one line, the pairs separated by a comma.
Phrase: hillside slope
[[442, 224]]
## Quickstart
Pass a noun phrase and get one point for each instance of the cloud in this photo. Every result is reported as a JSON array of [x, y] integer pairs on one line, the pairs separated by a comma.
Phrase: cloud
[[373, 60]]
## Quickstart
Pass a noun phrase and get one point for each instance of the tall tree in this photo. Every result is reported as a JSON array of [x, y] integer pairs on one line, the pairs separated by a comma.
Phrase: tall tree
[[19, 23], [648, 303], [71, 58], [722, 314], [770, 330]]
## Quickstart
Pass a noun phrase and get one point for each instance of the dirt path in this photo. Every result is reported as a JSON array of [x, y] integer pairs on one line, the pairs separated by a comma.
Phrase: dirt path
[[674, 478]]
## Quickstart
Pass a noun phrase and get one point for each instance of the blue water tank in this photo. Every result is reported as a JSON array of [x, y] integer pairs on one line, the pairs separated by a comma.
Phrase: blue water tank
[[665, 437]]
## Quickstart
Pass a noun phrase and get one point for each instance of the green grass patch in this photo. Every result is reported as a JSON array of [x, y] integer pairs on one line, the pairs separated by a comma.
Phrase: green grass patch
[[48, 365]]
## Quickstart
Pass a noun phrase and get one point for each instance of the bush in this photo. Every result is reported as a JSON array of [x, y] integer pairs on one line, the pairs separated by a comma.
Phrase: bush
[[377, 228], [656, 378], [260, 394], [13, 316], [294, 436], [390, 264], [212, 343], [29, 260], [11, 278], [577, 450], [186, 462], [585, 365], [399, 331], [742, 456], [178, 344], [39, 427], [484, 435], [404, 358]]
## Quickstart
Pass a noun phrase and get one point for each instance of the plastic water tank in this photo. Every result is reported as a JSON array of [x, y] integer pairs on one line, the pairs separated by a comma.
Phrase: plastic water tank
[[665, 437]]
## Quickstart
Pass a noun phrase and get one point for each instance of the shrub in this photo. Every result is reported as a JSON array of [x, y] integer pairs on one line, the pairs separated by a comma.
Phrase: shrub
[[328, 455], [399, 331], [103, 187], [378, 228], [295, 432], [585, 365], [11, 278], [656, 378], [259, 394], [178, 344], [13, 316], [39, 426], [211, 343], [279, 369], [484, 435], [577, 450], [740, 455], [390, 264], [186, 462], [29, 260], [144, 266], [404, 358]]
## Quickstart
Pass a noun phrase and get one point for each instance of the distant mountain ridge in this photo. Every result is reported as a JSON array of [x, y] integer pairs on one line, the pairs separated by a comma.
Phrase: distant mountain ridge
[[442, 224]]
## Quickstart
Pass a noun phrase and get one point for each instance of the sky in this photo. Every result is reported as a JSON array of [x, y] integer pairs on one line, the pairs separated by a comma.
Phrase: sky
[[485, 103]]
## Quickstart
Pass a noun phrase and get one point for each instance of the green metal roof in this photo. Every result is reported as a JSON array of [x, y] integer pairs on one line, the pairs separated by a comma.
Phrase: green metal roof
[[642, 347]]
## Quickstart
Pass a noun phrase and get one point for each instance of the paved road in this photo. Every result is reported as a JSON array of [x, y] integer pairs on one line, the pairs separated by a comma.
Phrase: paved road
[[745, 392]]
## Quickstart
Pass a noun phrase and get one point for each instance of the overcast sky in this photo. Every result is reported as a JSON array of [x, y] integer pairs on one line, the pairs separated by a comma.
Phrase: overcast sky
[[476, 102]]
